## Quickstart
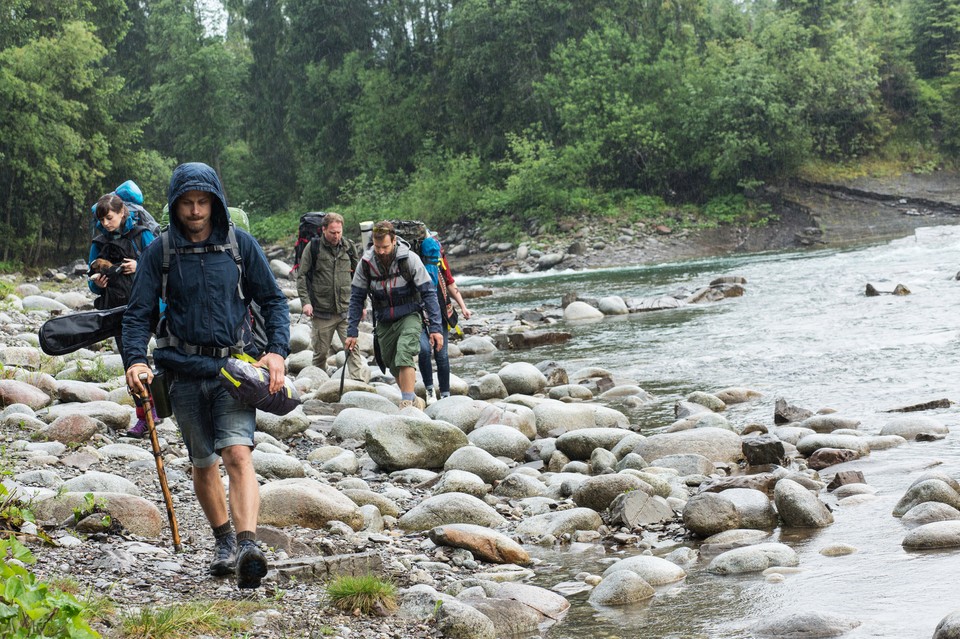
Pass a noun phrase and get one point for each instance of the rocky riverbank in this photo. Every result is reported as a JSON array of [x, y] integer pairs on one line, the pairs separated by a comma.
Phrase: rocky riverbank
[[452, 503], [447, 503]]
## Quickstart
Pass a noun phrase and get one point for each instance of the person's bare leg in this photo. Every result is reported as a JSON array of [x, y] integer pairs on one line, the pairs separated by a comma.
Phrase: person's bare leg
[[211, 494], [244, 489], [406, 379]]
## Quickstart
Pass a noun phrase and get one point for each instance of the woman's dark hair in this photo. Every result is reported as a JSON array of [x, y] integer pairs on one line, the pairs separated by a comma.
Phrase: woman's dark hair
[[109, 203]]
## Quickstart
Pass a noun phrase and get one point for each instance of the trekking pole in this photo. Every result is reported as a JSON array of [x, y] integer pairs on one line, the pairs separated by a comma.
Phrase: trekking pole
[[147, 399], [343, 372]]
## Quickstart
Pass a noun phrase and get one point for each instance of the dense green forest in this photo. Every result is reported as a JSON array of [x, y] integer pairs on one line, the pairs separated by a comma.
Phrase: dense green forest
[[510, 113]]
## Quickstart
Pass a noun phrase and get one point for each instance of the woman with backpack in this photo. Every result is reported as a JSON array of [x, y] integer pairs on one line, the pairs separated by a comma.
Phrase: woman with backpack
[[436, 266], [113, 261], [114, 252]]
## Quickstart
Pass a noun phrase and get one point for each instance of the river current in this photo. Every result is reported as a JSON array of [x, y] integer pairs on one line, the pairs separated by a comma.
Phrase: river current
[[804, 331]]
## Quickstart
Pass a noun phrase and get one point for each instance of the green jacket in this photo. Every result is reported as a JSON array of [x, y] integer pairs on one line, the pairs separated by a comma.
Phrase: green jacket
[[323, 279]]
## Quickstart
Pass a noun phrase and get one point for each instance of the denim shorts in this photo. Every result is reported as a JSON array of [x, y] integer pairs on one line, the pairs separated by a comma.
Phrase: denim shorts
[[209, 418]]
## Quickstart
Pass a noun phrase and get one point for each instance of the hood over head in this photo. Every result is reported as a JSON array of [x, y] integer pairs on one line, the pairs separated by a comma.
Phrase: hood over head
[[197, 176]]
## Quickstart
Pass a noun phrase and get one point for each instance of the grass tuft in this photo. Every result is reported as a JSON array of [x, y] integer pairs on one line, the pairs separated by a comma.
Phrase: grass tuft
[[366, 594], [188, 619]]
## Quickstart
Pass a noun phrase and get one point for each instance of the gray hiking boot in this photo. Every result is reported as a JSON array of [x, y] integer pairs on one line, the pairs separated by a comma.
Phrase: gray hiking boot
[[251, 565], [224, 556]]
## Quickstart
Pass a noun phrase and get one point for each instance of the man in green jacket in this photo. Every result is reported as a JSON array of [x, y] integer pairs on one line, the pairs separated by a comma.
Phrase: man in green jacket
[[323, 284]]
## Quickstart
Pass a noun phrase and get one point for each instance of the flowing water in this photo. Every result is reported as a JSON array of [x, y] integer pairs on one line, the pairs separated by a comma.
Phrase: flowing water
[[806, 332]]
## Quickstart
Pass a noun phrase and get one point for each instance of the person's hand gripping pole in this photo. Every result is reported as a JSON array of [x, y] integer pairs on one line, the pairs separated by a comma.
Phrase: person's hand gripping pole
[[142, 392]]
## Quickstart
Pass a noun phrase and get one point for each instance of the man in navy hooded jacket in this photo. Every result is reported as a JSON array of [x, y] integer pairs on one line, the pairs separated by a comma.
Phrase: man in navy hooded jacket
[[204, 322]]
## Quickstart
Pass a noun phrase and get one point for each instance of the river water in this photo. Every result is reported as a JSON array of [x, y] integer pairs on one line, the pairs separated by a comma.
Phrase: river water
[[806, 332]]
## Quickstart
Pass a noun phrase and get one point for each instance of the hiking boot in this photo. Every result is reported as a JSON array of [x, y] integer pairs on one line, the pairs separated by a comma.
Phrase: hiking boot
[[224, 556], [251, 565], [431, 397], [406, 403], [139, 430], [419, 404]]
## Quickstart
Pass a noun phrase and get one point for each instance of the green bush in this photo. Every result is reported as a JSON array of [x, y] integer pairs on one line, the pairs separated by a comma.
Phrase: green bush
[[444, 189], [725, 209], [30, 608]]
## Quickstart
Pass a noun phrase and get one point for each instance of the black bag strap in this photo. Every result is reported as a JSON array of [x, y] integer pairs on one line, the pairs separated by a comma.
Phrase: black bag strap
[[232, 247]]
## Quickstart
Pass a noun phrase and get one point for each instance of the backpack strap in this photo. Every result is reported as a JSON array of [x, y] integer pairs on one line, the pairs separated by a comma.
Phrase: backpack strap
[[232, 247]]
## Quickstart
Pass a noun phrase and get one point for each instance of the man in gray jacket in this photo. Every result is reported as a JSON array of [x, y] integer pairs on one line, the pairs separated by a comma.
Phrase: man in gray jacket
[[323, 284], [399, 288]]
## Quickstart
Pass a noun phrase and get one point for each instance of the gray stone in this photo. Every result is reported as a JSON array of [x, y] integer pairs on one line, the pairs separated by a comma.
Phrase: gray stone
[[598, 492], [807, 625], [500, 441], [94, 481], [938, 534], [637, 508], [716, 444], [520, 486], [307, 503], [490, 386], [620, 588], [707, 514], [910, 426], [277, 466], [396, 442], [656, 571], [449, 508], [580, 444], [799, 507], [353, 423], [461, 481], [283, 426], [523, 378], [477, 461], [755, 558], [829, 423], [559, 523]]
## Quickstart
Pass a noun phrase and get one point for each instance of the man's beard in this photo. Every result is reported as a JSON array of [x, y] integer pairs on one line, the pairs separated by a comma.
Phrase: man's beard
[[386, 260]]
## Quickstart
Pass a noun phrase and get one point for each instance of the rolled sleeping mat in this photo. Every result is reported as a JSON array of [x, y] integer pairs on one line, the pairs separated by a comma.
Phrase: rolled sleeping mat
[[251, 385]]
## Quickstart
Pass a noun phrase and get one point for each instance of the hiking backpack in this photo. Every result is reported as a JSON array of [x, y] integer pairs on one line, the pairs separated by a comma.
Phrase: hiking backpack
[[132, 197], [413, 232], [310, 224]]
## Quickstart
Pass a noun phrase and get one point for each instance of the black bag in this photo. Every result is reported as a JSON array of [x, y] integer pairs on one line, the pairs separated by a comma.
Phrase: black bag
[[413, 232], [310, 224], [69, 333]]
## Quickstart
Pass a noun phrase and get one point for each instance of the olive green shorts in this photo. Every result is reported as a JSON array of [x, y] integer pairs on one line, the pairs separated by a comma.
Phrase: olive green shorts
[[400, 341]]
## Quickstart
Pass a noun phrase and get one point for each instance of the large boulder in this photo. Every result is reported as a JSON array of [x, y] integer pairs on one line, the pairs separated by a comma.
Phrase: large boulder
[[800, 507], [522, 378], [555, 417], [560, 523], [398, 442], [910, 426], [656, 571], [113, 415], [716, 444], [450, 508], [755, 558], [307, 503], [598, 492], [500, 441], [485, 544], [136, 514], [580, 444], [15, 392]]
